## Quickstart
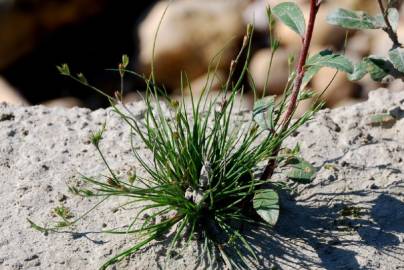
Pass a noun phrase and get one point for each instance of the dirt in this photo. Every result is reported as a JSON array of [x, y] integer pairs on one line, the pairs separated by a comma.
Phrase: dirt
[[350, 217]]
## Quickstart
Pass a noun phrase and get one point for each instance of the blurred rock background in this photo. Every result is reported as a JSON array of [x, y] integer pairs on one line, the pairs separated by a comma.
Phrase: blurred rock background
[[91, 35]]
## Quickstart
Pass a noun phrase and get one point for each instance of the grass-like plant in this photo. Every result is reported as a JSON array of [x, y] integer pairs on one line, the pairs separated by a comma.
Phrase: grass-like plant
[[203, 179]]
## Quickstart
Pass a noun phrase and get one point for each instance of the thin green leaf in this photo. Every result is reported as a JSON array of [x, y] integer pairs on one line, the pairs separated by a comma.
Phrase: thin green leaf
[[125, 61], [37, 227], [64, 69], [306, 94], [82, 78]]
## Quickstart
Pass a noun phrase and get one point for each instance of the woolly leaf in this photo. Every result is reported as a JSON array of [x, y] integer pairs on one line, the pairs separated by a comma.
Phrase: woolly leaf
[[380, 69], [393, 16], [397, 58], [301, 171], [359, 72], [263, 112], [327, 58], [266, 203], [353, 19], [291, 15], [377, 67], [309, 74]]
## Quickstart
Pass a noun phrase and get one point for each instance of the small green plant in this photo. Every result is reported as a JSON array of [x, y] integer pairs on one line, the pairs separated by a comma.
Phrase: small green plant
[[380, 69], [204, 180]]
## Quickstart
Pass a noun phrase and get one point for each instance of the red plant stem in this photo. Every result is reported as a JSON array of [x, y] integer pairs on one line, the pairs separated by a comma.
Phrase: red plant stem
[[300, 66], [300, 70]]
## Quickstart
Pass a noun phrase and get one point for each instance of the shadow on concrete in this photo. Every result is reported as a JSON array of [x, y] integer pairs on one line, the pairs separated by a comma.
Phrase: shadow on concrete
[[316, 233], [309, 236]]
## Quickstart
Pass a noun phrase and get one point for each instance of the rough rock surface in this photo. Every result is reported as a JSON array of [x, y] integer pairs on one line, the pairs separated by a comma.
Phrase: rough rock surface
[[350, 217]]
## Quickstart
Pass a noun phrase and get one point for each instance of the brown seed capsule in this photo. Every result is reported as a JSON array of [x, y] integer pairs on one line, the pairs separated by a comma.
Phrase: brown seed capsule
[[113, 182]]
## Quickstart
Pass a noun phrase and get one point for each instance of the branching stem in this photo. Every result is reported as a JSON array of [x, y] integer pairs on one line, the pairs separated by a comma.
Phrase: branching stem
[[300, 71], [389, 29]]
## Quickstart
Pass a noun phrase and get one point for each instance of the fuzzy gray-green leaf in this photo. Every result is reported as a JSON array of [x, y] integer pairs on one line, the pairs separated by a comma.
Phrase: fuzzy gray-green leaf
[[352, 20], [380, 69], [327, 58], [311, 71], [291, 15], [266, 203], [397, 58], [301, 171], [377, 67], [359, 72], [263, 112], [393, 16]]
